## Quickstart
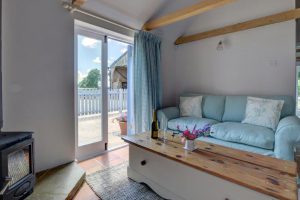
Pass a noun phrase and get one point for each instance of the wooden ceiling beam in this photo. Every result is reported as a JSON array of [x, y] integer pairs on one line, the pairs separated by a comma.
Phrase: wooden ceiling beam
[[185, 13], [272, 19], [78, 3]]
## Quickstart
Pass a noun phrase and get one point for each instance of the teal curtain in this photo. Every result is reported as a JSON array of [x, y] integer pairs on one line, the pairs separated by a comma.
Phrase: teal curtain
[[146, 76]]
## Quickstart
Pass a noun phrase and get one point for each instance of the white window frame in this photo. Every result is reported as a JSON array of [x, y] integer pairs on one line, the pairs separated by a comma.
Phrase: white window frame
[[91, 150]]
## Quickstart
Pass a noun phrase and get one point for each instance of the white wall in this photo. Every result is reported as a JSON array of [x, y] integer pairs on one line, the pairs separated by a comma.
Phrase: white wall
[[256, 61], [38, 77], [168, 35]]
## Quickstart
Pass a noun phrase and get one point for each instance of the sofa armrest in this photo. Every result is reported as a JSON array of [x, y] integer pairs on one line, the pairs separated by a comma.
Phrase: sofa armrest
[[166, 114], [286, 137]]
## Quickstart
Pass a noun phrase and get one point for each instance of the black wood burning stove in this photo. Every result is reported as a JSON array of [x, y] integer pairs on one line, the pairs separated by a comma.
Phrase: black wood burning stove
[[17, 176]]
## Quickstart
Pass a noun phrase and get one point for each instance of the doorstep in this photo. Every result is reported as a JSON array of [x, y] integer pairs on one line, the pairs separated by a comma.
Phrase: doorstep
[[59, 183]]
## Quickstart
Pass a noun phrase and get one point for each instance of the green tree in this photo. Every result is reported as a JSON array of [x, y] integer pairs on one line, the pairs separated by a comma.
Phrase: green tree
[[92, 79]]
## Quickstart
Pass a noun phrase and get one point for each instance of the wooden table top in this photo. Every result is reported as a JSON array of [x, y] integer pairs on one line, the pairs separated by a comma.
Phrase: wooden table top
[[271, 176]]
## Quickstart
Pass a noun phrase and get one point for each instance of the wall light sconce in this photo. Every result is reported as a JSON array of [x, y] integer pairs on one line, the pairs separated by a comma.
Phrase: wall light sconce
[[67, 5], [220, 46]]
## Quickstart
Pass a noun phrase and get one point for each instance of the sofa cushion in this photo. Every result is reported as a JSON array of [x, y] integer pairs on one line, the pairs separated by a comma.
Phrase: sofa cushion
[[253, 135], [235, 107], [189, 122], [263, 112], [213, 107]]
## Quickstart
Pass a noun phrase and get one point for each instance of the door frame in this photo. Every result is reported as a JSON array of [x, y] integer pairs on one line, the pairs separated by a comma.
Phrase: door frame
[[91, 150], [297, 93]]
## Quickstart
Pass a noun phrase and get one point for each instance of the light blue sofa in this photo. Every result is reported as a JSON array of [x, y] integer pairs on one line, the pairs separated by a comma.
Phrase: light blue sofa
[[225, 114]]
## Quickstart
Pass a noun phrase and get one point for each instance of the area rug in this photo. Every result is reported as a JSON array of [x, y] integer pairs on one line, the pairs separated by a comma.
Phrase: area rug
[[113, 184]]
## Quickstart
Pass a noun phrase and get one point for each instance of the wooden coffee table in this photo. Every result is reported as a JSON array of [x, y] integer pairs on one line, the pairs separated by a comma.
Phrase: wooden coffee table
[[212, 172]]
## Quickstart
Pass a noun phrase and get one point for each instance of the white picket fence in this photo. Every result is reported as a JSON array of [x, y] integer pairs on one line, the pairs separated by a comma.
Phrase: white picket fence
[[89, 101]]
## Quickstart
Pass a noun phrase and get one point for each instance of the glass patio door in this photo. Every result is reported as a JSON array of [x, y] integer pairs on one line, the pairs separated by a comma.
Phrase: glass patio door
[[90, 93]]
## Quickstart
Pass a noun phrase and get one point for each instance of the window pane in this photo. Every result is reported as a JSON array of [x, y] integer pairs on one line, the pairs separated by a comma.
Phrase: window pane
[[89, 90], [117, 92]]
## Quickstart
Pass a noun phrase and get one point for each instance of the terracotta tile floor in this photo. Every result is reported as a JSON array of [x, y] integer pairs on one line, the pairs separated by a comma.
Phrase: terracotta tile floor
[[101, 162]]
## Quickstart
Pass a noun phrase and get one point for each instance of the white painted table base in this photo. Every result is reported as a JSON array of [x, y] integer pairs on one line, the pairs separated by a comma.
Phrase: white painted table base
[[176, 181]]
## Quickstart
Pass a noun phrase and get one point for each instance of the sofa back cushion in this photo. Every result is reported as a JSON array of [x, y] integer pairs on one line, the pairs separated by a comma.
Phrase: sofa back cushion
[[235, 107], [212, 106]]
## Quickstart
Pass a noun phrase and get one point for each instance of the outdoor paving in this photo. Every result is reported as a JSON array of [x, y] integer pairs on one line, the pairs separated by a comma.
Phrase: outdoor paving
[[89, 131]]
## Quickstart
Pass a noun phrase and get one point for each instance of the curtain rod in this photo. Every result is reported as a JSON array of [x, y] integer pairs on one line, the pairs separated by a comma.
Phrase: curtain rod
[[72, 9]]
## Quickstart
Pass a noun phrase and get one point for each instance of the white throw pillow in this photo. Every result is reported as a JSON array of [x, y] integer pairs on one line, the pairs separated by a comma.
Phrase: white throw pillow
[[190, 106], [263, 112]]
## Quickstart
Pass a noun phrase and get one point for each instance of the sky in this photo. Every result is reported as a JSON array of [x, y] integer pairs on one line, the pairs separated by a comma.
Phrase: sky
[[89, 54]]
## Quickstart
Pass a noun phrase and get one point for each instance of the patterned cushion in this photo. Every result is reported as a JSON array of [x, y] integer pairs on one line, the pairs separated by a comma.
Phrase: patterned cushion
[[263, 112], [190, 106]]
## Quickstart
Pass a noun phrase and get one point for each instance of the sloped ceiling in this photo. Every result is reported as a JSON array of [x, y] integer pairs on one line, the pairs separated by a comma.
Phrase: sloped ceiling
[[133, 13]]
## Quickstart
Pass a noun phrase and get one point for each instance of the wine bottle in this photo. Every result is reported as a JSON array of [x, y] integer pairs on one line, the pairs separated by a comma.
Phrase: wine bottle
[[154, 127]]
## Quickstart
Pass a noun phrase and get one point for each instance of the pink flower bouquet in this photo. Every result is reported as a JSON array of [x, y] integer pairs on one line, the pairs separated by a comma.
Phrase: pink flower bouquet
[[187, 134], [195, 133]]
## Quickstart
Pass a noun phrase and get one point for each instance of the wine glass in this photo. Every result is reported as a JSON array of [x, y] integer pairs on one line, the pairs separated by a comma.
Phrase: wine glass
[[163, 130]]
